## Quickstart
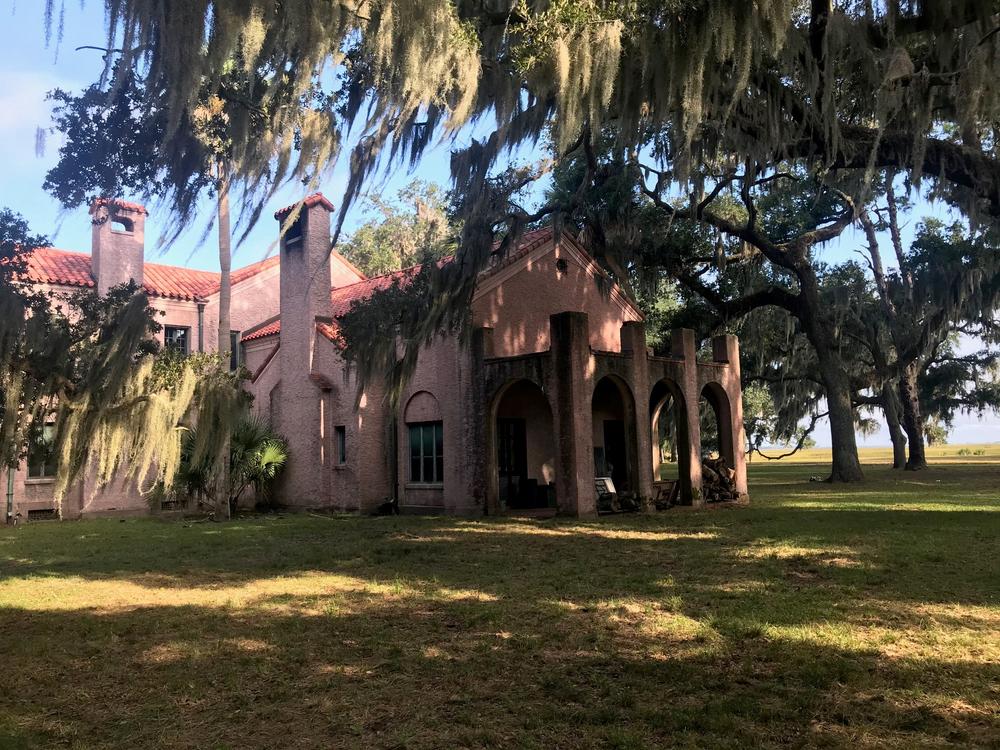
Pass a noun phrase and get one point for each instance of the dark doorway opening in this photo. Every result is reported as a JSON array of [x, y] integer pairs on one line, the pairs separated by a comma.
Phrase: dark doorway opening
[[525, 449], [613, 418], [615, 455]]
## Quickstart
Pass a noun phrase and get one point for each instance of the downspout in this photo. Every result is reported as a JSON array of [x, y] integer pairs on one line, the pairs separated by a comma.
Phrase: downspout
[[201, 327], [10, 494]]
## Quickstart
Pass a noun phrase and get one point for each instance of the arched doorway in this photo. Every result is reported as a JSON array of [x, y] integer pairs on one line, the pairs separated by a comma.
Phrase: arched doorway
[[670, 436], [525, 455], [717, 425], [614, 436]]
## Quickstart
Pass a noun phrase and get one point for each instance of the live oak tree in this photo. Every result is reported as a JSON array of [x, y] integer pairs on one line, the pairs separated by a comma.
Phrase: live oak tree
[[843, 84], [413, 228], [948, 282], [834, 86]]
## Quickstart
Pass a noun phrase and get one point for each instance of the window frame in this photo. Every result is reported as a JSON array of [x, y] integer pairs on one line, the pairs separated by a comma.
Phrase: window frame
[[419, 457], [340, 444], [49, 464], [187, 339], [235, 358]]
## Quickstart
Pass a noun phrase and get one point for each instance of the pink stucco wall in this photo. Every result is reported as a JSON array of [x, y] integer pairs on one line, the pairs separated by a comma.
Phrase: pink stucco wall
[[516, 301]]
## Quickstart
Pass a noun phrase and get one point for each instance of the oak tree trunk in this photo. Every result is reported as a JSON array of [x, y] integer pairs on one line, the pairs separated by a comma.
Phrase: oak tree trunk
[[890, 408], [912, 420], [846, 464], [836, 381]]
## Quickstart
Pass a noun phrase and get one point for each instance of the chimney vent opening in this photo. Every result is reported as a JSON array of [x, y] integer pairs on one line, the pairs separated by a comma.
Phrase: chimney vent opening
[[294, 234], [120, 225]]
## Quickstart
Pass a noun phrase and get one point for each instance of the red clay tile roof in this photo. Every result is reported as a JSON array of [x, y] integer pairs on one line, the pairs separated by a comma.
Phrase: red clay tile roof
[[50, 266], [308, 202], [177, 283], [263, 332], [331, 331], [345, 296], [137, 207]]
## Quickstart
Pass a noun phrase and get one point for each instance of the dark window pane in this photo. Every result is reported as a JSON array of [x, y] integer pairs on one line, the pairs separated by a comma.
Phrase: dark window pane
[[341, 444], [428, 468], [176, 338], [428, 433], [415, 470], [415, 441], [41, 453], [439, 476], [234, 350]]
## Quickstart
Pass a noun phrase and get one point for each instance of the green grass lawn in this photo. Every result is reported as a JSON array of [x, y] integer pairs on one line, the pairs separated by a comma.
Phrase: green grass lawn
[[819, 616]]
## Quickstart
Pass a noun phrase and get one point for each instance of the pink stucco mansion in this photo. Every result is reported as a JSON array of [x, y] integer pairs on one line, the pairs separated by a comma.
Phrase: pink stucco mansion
[[554, 386]]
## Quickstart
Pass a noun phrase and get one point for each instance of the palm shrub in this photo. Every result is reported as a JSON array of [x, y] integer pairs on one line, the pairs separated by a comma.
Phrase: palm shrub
[[257, 456]]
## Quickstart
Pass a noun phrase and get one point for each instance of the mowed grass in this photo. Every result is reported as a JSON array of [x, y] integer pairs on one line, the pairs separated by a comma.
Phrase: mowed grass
[[819, 616]]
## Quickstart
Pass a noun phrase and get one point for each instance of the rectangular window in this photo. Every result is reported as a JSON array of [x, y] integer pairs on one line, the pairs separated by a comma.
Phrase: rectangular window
[[41, 452], [427, 453], [234, 350], [340, 440], [176, 338]]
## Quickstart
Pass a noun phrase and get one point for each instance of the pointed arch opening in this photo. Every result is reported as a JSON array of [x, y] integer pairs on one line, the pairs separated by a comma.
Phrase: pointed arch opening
[[614, 434], [717, 440], [523, 470], [670, 438]]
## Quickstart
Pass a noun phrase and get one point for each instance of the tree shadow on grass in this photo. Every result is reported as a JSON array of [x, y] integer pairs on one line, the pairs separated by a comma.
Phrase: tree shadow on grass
[[419, 668], [919, 556]]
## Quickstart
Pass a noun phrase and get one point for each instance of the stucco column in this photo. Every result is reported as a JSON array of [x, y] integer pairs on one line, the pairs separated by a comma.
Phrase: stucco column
[[726, 348], [683, 347], [574, 387], [634, 341]]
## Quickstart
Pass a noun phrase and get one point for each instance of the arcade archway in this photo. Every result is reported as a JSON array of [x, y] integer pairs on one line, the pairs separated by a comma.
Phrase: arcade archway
[[524, 456], [614, 434]]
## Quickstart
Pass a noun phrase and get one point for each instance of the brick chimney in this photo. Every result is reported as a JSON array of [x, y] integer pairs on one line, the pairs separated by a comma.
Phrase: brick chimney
[[305, 294], [305, 272], [117, 238]]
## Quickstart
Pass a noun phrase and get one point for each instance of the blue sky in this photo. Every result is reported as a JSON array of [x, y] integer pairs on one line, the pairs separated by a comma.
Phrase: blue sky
[[29, 69]]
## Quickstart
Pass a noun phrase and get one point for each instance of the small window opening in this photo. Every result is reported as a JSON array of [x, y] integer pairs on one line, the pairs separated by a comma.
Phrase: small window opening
[[176, 338], [121, 226], [340, 438], [562, 266], [234, 350], [294, 234]]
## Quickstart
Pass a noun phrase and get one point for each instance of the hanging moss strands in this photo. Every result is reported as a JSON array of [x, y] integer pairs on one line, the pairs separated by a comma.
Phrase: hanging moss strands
[[87, 365], [845, 83]]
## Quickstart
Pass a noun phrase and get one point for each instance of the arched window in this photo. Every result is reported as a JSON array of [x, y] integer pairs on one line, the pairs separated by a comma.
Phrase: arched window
[[426, 439], [121, 225]]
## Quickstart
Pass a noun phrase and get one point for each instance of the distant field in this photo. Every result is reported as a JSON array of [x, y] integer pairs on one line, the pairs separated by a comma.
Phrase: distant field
[[989, 452], [861, 617]]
